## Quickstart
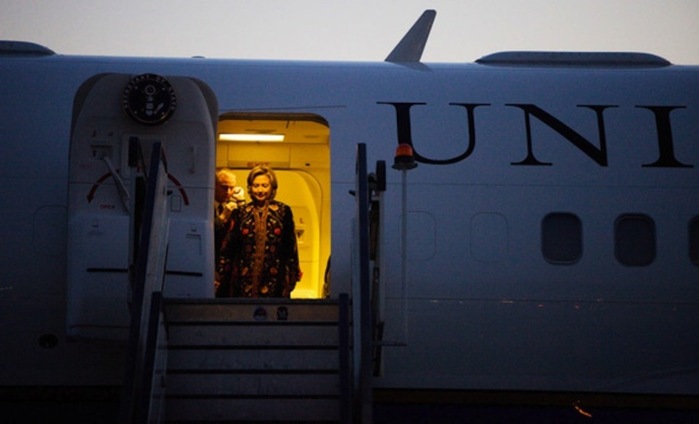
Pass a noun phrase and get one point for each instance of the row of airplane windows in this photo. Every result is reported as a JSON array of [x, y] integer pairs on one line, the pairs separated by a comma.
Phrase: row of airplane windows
[[634, 239]]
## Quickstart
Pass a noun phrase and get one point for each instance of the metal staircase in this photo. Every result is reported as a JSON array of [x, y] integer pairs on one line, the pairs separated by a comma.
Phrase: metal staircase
[[244, 360], [234, 360]]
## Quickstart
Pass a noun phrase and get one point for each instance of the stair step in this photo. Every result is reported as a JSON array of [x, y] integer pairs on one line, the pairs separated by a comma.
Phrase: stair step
[[252, 359], [253, 410], [250, 310], [249, 336], [246, 385]]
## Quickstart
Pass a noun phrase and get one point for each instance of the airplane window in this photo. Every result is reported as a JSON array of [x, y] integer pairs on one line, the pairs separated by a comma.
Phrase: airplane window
[[634, 240], [561, 238], [694, 240]]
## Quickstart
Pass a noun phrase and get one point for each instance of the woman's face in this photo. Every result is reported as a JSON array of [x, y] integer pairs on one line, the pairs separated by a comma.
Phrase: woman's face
[[261, 188]]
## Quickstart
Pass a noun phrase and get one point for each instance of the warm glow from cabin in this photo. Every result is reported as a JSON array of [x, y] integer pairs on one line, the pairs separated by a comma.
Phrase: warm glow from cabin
[[301, 162]]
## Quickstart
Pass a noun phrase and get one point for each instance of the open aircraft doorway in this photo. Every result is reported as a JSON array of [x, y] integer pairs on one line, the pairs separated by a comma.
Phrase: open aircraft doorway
[[297, 147]]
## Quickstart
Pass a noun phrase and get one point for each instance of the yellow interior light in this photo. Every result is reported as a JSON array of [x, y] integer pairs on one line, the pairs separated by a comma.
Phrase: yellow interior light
[[265, 138]]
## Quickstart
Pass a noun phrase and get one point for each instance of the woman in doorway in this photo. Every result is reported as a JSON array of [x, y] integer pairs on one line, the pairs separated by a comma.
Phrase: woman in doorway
[[259, 257]]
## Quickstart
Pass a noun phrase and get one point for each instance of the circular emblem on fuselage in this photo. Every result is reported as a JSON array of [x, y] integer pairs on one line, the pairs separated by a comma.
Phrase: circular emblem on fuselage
[[149, 99]]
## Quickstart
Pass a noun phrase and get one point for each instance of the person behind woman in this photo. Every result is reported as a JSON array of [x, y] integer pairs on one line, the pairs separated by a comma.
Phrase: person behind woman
[[259, 257], [227, 196]]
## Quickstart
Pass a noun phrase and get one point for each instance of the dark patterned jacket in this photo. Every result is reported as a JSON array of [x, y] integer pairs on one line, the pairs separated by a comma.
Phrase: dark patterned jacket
[[259, 257]]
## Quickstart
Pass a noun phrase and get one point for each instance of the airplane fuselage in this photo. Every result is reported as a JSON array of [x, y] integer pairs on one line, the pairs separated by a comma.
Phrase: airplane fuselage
[[553, 217]]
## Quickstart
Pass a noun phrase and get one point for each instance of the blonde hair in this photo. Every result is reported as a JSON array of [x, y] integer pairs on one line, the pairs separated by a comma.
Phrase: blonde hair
[[225, 171], [263, 170]]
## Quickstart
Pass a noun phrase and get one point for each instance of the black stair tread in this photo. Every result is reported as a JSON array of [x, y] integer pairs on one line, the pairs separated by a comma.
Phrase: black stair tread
[[259, 311]]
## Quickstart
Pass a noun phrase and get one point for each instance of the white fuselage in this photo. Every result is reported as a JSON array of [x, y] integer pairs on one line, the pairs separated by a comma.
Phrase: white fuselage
[[489, 301]]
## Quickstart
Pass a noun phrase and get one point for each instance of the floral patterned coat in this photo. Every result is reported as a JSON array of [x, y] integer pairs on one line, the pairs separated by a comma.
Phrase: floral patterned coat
[[259, 257]]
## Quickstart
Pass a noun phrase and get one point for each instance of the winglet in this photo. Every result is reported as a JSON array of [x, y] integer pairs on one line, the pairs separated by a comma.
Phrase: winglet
[[411, 46]]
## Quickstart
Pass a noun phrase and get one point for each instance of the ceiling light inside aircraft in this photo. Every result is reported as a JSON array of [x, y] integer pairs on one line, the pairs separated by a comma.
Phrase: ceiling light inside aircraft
[[264, 138]]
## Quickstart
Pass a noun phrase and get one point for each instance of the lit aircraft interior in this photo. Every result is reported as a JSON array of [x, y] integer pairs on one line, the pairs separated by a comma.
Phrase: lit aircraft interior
[[300, 157]]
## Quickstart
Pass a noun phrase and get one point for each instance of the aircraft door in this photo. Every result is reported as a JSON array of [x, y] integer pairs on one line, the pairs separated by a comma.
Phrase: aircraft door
[[113, 113], [300, 158]]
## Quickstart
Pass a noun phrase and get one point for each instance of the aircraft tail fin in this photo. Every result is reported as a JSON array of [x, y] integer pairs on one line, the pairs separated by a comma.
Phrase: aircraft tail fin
[[411, 46]]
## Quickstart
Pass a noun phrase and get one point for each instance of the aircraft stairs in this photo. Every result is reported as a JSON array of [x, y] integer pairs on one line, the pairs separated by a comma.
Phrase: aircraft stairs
[[244, 360], [233, 360]]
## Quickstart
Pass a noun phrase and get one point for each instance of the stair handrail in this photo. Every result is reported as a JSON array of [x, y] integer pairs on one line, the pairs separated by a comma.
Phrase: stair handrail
[[377, 186], [361, 295], [151, 231], [345, 359]]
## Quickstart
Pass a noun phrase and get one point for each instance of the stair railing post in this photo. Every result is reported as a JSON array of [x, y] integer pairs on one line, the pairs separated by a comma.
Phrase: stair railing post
[[361, 293], [345, 363]]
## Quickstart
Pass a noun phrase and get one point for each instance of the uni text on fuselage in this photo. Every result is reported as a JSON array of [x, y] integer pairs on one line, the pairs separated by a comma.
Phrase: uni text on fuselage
[[660, 115]]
